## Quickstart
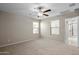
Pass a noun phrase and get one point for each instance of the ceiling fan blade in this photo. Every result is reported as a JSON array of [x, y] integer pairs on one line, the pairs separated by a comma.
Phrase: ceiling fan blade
[[45, 14], [47, 10]]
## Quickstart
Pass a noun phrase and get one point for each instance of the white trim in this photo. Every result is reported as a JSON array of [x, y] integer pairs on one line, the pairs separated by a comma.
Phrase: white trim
[[15, 43]]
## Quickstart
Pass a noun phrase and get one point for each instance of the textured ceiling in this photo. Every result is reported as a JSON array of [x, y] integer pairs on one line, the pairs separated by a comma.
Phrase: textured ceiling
[[27, 9]]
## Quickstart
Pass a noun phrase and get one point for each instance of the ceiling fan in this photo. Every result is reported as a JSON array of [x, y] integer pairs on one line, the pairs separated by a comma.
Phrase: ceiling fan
[[43, 11]]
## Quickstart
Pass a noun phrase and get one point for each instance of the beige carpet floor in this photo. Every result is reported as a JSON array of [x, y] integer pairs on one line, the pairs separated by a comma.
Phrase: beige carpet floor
[[40, 47]]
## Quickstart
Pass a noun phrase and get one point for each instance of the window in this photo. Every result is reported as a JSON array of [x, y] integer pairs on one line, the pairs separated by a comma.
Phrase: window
[[35, 27], [55, 27]]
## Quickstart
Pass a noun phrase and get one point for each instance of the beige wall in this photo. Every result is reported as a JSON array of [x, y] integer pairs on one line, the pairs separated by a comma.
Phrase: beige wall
[[15, 28]]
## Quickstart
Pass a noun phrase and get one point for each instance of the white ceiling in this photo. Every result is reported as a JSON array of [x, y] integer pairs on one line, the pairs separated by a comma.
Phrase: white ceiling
[[26, 9]]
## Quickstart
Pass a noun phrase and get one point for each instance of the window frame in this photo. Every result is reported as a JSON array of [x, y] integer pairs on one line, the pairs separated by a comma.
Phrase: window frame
[[55, 27], [35, 27]]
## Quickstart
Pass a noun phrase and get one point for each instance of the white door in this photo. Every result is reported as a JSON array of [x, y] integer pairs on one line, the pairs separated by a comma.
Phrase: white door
[[71, 31]]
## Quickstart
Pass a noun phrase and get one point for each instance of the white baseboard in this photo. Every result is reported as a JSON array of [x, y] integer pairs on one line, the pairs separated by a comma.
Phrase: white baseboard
[[15, 43]]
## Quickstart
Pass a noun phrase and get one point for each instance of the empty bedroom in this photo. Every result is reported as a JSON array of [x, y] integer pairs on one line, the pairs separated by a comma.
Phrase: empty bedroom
[[39, 28]]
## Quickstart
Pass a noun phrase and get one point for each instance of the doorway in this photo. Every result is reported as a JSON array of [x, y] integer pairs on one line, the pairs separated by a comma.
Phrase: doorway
[[71, 27]]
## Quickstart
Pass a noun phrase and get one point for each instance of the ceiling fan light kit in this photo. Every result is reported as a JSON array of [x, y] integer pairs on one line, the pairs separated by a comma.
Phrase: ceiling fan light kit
[[42, 11]]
